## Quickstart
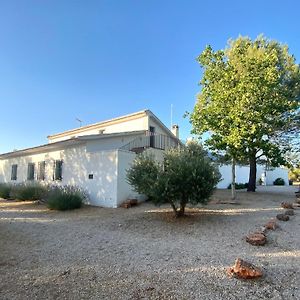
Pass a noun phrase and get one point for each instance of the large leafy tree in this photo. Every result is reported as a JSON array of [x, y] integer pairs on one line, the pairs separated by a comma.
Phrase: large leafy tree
[[249, 101], [186, 175]]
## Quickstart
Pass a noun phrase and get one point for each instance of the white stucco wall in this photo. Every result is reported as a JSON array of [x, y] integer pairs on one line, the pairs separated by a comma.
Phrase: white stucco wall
[[135, 124], [109, 143], [277, 173], [77, 165], [102, 189], [158, 128], [125, 159], [140, 123], [124, 190], [22, 162], [158, 154], [242, 175]]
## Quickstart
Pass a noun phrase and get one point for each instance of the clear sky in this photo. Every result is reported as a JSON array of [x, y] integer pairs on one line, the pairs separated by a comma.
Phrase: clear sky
[[95, 60]]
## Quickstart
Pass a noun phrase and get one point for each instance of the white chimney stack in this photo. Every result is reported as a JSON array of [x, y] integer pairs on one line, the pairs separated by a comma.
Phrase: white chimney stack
[[175, 130]]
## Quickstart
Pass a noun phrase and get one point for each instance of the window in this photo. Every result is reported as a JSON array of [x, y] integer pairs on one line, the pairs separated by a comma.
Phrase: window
[[152, 136], [41, 170], [14, 169], [30, 171], [57, 172]]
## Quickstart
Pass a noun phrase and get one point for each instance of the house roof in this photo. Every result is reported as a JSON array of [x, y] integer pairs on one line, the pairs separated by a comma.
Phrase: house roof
[[100, 125], [66, 143]]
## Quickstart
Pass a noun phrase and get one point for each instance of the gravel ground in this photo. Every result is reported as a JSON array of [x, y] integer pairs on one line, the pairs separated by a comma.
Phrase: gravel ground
[[144, 253]]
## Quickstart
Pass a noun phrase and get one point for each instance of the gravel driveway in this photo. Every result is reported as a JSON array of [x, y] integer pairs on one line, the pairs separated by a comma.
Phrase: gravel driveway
[[144, 253]]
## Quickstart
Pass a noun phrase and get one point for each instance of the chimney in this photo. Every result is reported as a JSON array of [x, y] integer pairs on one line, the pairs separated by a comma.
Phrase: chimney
[[175, 130]]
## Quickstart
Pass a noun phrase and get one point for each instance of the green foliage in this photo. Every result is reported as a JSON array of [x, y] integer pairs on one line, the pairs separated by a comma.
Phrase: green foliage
[[279, 181], [187, 175], [27, 191], [249, 100], [5, 189], [65, 197], [294, 175], [239, 186]]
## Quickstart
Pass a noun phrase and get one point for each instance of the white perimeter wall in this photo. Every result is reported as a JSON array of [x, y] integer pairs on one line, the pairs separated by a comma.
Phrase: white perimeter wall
[[242, 175], [277, 173]]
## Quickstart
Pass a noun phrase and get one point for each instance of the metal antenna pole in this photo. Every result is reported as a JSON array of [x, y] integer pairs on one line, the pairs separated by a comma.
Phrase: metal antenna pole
[[80, 121], [171, 115]]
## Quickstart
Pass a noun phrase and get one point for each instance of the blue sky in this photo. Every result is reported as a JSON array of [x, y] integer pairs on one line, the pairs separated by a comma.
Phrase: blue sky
[[95, 60]]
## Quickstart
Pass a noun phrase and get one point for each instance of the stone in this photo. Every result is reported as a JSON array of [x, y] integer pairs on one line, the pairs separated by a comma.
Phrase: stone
[[282, 217], [263, 229], [287, 205], [289, 212], [133, 202], [271, 225], [297, 201], [256, 239], [129, 203], [244, 270], [125, 205]]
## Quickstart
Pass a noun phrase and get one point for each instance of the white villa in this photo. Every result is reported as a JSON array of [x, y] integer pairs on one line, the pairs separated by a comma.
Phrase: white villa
[[96, 157]]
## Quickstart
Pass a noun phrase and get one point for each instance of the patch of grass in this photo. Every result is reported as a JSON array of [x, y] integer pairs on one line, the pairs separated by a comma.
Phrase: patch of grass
[[5, 190], [65, 197]]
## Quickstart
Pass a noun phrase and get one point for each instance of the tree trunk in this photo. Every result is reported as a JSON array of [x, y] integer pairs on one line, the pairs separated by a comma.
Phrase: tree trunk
[[182, 209], [252, 175], [233, 192], [174, 209], [179, 212]]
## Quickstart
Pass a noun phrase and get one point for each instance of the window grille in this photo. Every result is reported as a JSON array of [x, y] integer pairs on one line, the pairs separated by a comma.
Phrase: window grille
[[57, 172], [14, 171], [30, 171], [41, 170]]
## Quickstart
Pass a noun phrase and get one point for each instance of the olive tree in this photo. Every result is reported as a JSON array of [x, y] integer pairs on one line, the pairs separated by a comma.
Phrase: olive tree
[[185, 176]]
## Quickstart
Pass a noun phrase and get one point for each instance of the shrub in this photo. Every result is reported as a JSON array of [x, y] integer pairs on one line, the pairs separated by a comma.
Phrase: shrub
[[65, 197], [5, 189], [294, 174], [187, 175], [239, 186], [278, 181], [28, 191]]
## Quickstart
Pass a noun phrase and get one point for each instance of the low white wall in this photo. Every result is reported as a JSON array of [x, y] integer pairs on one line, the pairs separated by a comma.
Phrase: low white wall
[[242, 175], [277, 173]]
